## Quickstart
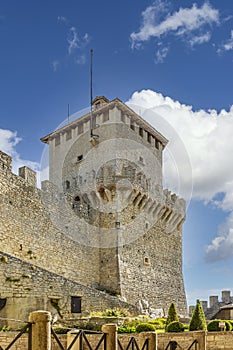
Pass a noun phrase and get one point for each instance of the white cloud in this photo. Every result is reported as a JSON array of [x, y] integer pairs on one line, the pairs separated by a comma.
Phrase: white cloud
[[55, 65], [221, 247], [188, 24], [206, 137], [72, 40], [161, 54], [76, 44], [197, 40], [81, 59], [228, 45], [8, 143], [62, 19]]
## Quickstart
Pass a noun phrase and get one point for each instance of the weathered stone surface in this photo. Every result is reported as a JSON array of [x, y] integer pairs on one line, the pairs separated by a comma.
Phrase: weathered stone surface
[[102, 222]]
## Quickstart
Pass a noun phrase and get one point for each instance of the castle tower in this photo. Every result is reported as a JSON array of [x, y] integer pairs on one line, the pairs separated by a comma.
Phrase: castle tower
[[108, 165]]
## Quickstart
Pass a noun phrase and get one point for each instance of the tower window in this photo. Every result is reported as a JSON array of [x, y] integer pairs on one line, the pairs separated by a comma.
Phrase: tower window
[[141, 132], [67, 185], [146, 261], [57, 140], [68, 135], [79, 158], [76, 305], [132, 126], [141, 160], [105, 117], [80, 129], [149, 137]]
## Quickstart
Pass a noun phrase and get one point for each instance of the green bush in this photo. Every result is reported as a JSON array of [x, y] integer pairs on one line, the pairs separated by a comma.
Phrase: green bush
[[61, 330], [198, 321], [115, 312], [172, 315], [159, 323], [175, 326], [213, 326], [145, 327], [126, 329], [5, 329], [131, 322]]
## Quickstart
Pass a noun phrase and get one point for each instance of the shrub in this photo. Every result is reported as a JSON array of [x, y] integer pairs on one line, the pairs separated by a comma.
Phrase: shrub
[[213, 326], [126, 329], [175, 326], [172, 315], [61, 330], [145, 327], [111, 313], [131, 322], [159, 323], [198, 321]]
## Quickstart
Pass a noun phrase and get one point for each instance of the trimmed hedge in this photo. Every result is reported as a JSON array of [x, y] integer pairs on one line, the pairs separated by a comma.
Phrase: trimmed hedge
[[198, 321], [159, 323], [175, 326], [213, 326], [145, 327], [126, 329]]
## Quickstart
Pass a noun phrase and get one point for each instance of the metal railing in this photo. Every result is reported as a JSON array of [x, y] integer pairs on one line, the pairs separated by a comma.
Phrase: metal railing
[[173, 345], [133, 345], [26, 329], [83, 340]]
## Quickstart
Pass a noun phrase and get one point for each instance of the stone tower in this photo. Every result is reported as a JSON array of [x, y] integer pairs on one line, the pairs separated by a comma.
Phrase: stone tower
[[107, 167]]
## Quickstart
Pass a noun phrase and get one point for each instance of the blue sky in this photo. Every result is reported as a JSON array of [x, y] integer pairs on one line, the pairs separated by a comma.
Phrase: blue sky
[[174, 57]]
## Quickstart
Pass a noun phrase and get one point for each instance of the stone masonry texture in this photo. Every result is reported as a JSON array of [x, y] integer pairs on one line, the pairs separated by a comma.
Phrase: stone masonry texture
[[102, 228]]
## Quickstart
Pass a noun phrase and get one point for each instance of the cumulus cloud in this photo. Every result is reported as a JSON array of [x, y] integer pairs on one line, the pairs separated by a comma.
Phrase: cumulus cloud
[[206, 137], [8, 143], [188, 24]]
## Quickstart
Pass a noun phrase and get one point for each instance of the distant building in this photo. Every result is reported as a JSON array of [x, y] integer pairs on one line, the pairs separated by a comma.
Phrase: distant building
[[217, 309]]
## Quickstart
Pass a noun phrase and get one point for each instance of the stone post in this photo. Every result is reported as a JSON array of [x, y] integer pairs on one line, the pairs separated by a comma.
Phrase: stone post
[[41, 330], [111, 334], [201, 338], [152, 336], [70, 337]]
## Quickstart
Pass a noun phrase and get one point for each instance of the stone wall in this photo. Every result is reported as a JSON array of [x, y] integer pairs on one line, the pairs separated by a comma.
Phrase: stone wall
[[22, 343], [219, 340], [151, 267], [27, 288], [214, 340], [104, 222], [28, 233]]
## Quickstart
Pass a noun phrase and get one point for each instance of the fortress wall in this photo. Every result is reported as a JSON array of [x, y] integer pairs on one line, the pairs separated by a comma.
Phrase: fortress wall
[[152, 270], [28, 288], [28, 233]]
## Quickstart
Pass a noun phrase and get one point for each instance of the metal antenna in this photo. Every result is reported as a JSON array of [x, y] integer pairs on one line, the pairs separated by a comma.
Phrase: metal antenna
[[68, 113], [91, 94]]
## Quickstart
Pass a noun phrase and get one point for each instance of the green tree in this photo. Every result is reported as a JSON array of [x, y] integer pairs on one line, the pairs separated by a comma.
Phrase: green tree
[[172, 315], [198, 321]]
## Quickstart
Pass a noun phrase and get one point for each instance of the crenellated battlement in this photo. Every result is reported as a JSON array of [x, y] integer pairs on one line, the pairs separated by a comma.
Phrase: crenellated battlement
[[102, 219], [24, 172], [5, 162]]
